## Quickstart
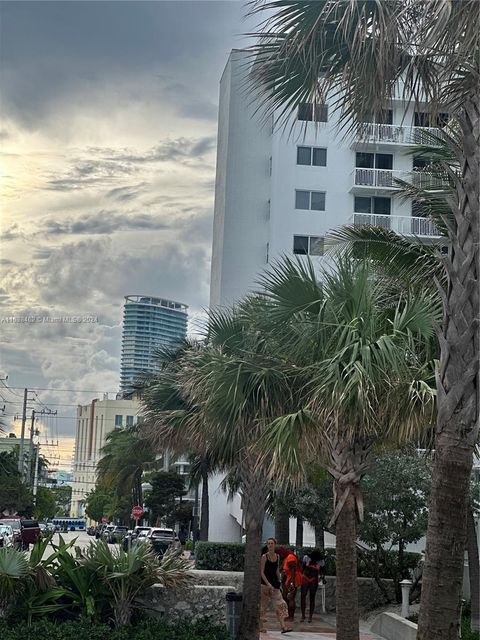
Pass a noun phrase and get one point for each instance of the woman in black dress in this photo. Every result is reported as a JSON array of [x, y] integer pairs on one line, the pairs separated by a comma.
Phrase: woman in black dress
[[270, 587]]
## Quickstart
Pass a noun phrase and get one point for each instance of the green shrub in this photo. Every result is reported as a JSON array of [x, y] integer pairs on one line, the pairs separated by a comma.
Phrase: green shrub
[[220, 556], [84, 629]]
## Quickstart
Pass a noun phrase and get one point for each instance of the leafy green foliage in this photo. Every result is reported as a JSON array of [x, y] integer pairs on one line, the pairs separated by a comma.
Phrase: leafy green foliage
[[84, 629], [63, 498], [45, 504], [167, 487], [219, 556], [15, 496]]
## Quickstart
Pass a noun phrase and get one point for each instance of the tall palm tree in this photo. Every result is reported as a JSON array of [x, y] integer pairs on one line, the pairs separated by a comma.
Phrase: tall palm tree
[[358, 52], [361, 352], [231, 393], [414, 262]]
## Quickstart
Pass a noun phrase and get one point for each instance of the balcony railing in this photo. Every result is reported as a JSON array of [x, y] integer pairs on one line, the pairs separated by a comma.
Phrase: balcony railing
[[404, 225], [380, 178], [394, 134]]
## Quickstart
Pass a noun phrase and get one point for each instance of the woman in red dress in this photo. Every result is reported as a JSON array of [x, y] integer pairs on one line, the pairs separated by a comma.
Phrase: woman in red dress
[[313, 569]]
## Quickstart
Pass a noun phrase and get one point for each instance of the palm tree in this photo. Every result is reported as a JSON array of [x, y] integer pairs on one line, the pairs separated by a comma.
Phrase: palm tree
[[413, 262], [126, 455], [231, 392], [161, 395], [361, 353], [358, 52]]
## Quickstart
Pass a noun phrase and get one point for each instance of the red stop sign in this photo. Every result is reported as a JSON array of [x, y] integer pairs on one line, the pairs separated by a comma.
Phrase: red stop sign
[[137, 512]]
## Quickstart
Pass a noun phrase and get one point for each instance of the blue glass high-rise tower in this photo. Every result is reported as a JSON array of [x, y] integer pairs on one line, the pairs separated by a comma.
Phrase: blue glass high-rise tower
[[148, 323]]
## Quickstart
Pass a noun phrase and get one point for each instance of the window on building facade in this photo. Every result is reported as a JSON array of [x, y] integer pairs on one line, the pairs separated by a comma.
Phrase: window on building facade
[[118, 421], [426, 119], [306, 112], [375, 205], [373, 160], [310, 200], [129, 422], [420, 163], [308, 245], [382, 117], [312, 156]]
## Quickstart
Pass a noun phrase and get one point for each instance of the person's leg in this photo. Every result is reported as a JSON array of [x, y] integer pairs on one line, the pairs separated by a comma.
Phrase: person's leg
[[264, 600], [281, 609], [303, 599], [313, 592], [292, 605]]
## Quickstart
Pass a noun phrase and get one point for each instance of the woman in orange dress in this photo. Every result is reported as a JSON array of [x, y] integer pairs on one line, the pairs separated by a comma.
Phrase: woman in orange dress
[[292, 570]]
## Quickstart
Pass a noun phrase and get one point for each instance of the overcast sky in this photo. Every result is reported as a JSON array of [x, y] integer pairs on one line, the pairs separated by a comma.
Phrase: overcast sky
[[108, 138]]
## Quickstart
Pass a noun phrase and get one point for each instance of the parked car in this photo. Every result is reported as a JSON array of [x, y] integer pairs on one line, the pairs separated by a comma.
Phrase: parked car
[[99, 529], [117, 534], [16, 528], [162, 539], [106, 531], [26, 532], [91, 531], [30, 533], [6, 536], [138, 533]]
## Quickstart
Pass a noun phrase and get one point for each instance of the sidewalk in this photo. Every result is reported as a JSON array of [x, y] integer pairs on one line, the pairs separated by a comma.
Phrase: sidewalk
[[322, 628]]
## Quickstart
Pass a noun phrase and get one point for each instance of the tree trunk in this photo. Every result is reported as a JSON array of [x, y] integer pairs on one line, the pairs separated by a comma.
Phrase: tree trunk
[[319, 537], [282, 526], [254, 506], [299, 533], [457, 399], [346, 554], [473, 570], [205, 506]]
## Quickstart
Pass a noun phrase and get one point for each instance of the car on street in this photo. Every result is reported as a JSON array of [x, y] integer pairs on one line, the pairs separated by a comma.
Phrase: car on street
[[99, 529], [162, 539], [91, 531], [137, 534], [107, 531], [6, 536], [16, 528], [117, 534]]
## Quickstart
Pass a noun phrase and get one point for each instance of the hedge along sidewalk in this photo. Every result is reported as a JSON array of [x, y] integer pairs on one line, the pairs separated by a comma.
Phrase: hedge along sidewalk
[[220, 556]]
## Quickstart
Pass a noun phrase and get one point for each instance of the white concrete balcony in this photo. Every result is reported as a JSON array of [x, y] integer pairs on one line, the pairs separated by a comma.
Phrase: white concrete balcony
[[392, 134], [404, 225]]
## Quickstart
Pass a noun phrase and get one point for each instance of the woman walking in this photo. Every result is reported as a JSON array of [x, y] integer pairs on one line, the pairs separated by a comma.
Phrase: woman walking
[[313, 568], [270, 587], [292, 571]]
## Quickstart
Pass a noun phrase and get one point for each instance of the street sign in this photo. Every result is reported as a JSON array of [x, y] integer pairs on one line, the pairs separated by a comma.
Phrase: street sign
[[137, 512]]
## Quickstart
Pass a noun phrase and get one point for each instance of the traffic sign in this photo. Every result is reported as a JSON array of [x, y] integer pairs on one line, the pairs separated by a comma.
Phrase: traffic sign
[[137, 512]]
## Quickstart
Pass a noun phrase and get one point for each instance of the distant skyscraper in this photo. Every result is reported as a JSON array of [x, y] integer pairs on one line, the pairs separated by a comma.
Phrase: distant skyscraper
[[148, 323]]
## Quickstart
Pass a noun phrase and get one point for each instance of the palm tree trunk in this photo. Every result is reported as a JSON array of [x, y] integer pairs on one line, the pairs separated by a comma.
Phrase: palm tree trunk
[[319, 536], [205, 506], [254, 503], [282, 526], [346, 554], [299, 533], [457, 394], [473, 570]]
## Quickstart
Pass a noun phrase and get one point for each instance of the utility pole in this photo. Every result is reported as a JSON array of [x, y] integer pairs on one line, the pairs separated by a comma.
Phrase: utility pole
[[30, 449], [35, 479], [21, 452]]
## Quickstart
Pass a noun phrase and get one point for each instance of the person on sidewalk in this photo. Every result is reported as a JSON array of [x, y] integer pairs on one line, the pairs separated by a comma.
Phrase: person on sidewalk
[[313, 570], [292, 571], [270, 587]]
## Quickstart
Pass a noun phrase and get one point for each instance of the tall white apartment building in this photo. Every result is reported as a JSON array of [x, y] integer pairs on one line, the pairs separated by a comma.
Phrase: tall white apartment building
[[94, 422], [280, 190]]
